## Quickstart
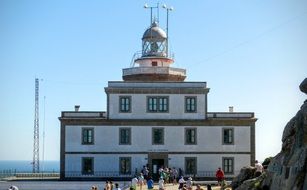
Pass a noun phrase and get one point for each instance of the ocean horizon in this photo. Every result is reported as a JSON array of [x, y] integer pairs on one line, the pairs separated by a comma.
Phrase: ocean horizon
[[26, 166]]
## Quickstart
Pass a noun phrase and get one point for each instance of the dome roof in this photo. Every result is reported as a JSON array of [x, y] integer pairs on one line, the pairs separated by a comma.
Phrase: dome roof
[[154, 33]]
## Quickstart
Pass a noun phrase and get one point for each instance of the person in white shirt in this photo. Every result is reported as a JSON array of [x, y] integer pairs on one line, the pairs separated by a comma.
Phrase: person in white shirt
[[134, 183], [13, 187], [161, 183], [259, 168], [189, 183], [117, 186], [181, 183]]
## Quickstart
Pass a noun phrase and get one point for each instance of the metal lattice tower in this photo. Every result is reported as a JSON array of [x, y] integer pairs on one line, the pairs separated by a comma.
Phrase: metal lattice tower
[[36, 130]]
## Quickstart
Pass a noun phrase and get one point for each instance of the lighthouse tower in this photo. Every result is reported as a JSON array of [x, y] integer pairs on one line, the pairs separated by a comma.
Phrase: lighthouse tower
[[154, 63]]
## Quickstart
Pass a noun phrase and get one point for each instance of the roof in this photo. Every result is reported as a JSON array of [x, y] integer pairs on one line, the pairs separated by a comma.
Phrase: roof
[[154, 33]]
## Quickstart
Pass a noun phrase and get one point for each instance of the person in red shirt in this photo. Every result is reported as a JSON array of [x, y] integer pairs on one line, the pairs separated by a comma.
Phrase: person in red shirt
[[219, 176]]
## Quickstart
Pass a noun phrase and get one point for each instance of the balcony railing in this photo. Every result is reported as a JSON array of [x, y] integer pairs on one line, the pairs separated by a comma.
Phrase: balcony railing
[[110, 174], [81, 114], [154, 70], [230, 115]]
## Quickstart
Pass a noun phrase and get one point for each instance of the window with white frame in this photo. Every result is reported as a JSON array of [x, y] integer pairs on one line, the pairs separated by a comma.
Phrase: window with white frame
[[228, 165], [157, 104], [125, 165], [190, 136], [87, 136], [190, 104], [228, 136], [124, 104], [125, 136]]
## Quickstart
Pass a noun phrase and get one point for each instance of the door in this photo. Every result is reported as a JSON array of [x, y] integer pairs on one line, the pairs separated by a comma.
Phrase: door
[[156, 165]]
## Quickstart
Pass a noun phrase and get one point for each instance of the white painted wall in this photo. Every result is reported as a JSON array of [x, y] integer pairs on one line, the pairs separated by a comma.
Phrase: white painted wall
[[210, 162], [102, 163], [139, 107], [209, 139], [110, 163]]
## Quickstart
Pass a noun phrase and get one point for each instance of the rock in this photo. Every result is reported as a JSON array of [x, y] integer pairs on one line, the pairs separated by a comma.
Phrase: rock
[[288, 169], [303, 86], [245, 174], [252, 184]]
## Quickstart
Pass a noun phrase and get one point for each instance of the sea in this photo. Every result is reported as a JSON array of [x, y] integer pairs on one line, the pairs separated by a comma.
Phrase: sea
[[20, 166]]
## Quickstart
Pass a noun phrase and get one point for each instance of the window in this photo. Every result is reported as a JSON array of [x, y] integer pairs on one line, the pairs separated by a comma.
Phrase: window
[[190, 136], [88, 136], [87, 165], [124, 136], [228, 136], [157, 136], [228, 165], [190, 165], [125, 104], [154, 63], [157, 104], [125, 165], [190, 104]]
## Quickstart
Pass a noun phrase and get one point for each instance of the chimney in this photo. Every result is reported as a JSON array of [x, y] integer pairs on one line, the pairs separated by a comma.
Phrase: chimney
[[77, 108], [230, 109]]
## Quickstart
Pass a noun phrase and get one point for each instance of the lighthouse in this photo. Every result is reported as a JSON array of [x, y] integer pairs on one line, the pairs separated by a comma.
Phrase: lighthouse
[[154, 119], [154, 63]]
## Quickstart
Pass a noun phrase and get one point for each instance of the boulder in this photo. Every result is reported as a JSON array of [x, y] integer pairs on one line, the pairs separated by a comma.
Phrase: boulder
[[245, 174], [303, 86], [288, 169]]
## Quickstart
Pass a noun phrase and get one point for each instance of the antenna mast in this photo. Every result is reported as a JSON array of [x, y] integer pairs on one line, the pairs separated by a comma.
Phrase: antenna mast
[[167, 10], [36, 130]]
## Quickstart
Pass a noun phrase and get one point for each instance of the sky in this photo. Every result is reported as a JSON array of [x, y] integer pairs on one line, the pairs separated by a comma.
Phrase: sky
[[252, 54]]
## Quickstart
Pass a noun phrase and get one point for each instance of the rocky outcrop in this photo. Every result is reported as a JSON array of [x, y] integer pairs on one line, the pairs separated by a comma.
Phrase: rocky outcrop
[[303, 86], [246, 173], [288, 169]]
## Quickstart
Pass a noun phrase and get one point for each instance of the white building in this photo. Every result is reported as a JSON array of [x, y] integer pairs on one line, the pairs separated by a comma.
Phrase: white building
[[153, 117]]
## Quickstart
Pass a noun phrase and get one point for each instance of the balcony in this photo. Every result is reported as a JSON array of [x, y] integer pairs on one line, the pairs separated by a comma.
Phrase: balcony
[[83, 114], [236, 115], [154, 70]]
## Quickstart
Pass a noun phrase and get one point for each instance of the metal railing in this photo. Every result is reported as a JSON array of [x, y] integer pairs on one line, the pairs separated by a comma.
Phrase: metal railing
[[103, 174], [154, 70], [116, 174], [6, 174], [230, 115], [87, 114]]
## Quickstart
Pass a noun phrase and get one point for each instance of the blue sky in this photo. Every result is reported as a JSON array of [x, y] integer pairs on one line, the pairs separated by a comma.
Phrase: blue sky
[[252, 54]]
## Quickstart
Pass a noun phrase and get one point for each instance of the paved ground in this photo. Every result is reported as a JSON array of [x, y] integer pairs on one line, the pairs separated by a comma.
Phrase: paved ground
[[75, 185]]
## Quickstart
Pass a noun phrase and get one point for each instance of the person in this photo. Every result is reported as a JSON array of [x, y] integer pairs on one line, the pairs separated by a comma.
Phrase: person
[[117, 186], [111, 185], [150, 183], [94, 188], [141, 181], [209, 187], [13, 187], [107, 185], [134, 183], [198, 187], [145, 172], [161, 183], [224, 184], [189, 183], [259, 168], [174, 175], [219, 176], [181, 183]]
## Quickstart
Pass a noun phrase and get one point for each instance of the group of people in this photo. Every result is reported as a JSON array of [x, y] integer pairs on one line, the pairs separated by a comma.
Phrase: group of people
[[108, 186], [166, 175]]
